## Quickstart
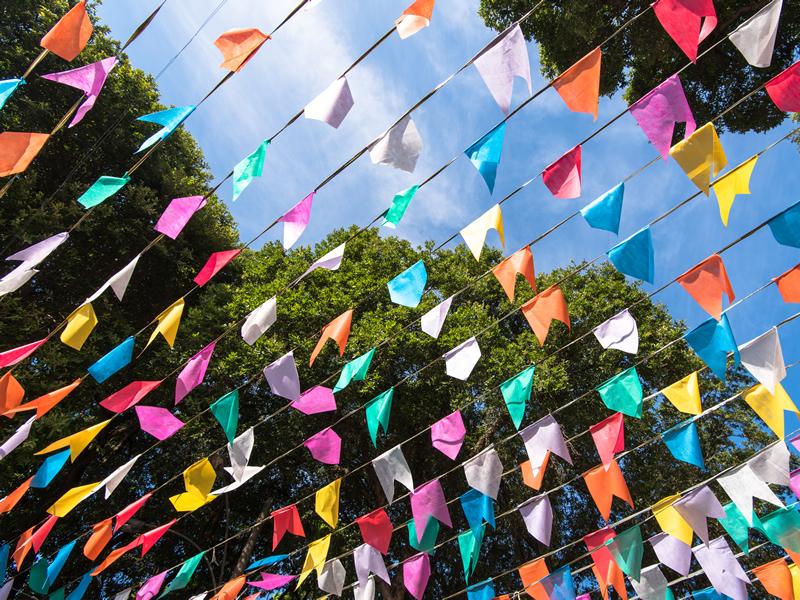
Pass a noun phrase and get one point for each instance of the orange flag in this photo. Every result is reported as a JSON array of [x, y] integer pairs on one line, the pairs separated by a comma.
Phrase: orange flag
[[18, 149], [11, 393], [339, 330], [43, 404], [706, 282], [604, 483], [521, 262], [543, 308], [605, 569], [532, 572], [230, 590], [10, 501], [579, 86], [101, 535], [238, 46], [22, 549], [531, 480], [70, 35], [789, 284], [114, 556], [414, 18], [776, 579]]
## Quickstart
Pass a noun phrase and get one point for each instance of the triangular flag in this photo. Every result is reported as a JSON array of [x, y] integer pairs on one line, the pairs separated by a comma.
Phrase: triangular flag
[[516, 393], [368, 560], [332, 105], [505, 58], [326, 502], [399, 206], [391, 466], [13, 497], [461, 360], [377, 412], [112, 481], [623, 393], [685, 395], [771, 407], [331, 578], [605, 482], [198, 479], [563, 177], [282, 377], [448, 433], [406, 289], [69, 36], [698, 505], [433, 320], [49, 468], [474, 234], [652, 585], [8, 87], [579, 86], [519, 263], [193, 373], [15, 355], [763, 358], [537, 514], [376, 530], [89, 79], [706, 283], [776, 578], [286, 519], [355, 370], [17, 438], [168, 322], [428, 542], [129, 396], [101, 535], [152, 586], [782, 89], [620, 332], [485, 154], [609, 437], [102, 189], [731, 184], [295, 221], [238, 46], [258, 321], [687, 23], [316, 400], [11, 392], [325, 446], [478, 509], [215, 263], [722, 569], [18, 149], [415, 18], [113, 361], [331, 261], [605, 569], [71, 499], [635, 256], [157, 421], [428, 502], [169, 119], [80, 324], [399, 147], [543, 308], [249, 168], [76, 442], [337, 330], [118, 282], [627, 550], [657, 112], [484, 472], [712, 341], [788, 284], [541, 437], [783, 226], [469, 545], [230, 591], [417, 571], [670, 520], [127, 513], [177, 215], [531, 574], [700, 155], [672, 552], [226, 411]]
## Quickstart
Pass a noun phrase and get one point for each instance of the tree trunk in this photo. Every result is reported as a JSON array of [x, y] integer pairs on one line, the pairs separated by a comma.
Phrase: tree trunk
[[252, 539]]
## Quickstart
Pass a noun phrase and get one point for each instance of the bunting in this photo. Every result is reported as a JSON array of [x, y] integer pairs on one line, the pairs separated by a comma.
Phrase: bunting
[[238, 46], [579, 86], [541, 310], [337, 330], [706, 283], [700, 156], [69, 36]]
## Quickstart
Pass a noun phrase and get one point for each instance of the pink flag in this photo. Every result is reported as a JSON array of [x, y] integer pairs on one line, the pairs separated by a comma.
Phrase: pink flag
[[215, 263], [126, 513], [428, 501], [158, 422], [609, 437], [193, 373], [416, 572], [688, 22], [563, 177], [177, 215], [89, 79], [657, 112], [326, 446], [296, 221], [272, 581], [128, 396], [318, 399], [149, 538], [152, 586], [447, 435], [794, 482], [13, 356]]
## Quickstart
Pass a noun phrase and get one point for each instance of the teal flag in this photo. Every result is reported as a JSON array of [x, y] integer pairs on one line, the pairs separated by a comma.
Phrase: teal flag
[[737, 528], [378, 411], [785, 227], [57, 595], [469, 544], [605, 212], [712, 340], [782, 526], [355, 370], [398, 208], [169, 120], [249, 168], [635, 256], [102, 189], [485, 154], [226, 411], [428, 541], [4, 552], [184, 575], [516, 392], [37, 578], [627, 549], [623, 393], [8, 87], [684, 443], [81, 588]]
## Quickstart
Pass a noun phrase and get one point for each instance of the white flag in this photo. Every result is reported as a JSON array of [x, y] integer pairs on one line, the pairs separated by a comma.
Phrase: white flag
[[399, 147], [755, 38], [763, 358]]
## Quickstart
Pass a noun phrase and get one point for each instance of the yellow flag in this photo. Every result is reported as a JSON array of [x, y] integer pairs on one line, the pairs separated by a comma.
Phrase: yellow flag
[[77, 442], [315, 558], [198, 480], [72, 498], [700, 156], [671, 521], [793, 569], [729, 185], [685, 395], [474, 234], [327, 503], [168, 322], [79, 325], [770, 407]]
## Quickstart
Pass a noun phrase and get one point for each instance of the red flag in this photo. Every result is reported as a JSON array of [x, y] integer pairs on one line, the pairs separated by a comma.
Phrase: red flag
[[683, 22], [283, 520], [563, 177], [609, 437], [215, 263], [784, 89], [376, 529]]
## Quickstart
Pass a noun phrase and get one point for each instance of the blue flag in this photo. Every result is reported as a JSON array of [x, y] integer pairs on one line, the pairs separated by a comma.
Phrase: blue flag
[[634, 256], [49, 468], [712, 340], [785, 227], [407, 288], [478, 509], [485, 154], [118, 358], [683, 443], [169, 119], [481, 591], [605, 212], [8, 87], [559, 584]]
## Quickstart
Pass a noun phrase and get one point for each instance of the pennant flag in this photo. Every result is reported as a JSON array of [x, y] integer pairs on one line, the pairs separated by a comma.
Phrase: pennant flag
[[428, 542], [685, 395], [687, 23], [742, 485], [230, 591], [112, 481], [8, 87], [503, 60], [695, 506], [460, 361], [332, 105], [670, 520], [71, 498], [776, 577], [150, 538], [101, 535], [337, 330], [399, 147], [417, 571], [415, 18], [579, 86], [80, 324], [296, 220], [331, 261], [11, 393], [22, 548], [763, 358], [604, 568], [474, 234], [469, 545], [543, 308], [389, 467], [559, 584], [12, 498], [315, 400], [16, 279], [700, 155], [627, 550], [331, 580], [113, 556], [635, 256], [521, 262], [731, 184], [447, 435], [129, 396], [531, 574], [226, 411], [672, 552], [534, 479], [327, 503], [258, 321], [15, 355], [782, 89], [478, 509], [118, 282], [784, 226], [193, 373], [605, 211], [115, 360], [481, 591], [609, 437], [652, 585], [428, 502], [283, 378], [286, 519], [368, 560], [270, 581], [177, 215], [623, 393], [249, 168], [542, 437], [516, 393], [238, 46], [399, 206], [755, 38], [325, 446], [76, 442], [355, 370], [17, 438], [484, 472], [198, 480], [169, 119], [433, 320], [158, 422], [102, 189], [722, 569], [215, 263], [89, 79], [537, 513], [18, 149], [376, 530], [706, 283], [711, 341], [604, 482], [683, 442], [780, 527], [69, 36], [619, 332], [771, 407], [49, 468], [168, 322], [563, 177], [485, 153], [377, 412], [659, 110], [406, 289], [151, 587]]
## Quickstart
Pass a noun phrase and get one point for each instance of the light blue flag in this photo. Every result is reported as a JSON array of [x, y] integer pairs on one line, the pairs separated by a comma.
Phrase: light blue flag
[[169, 119], [634, 256], [559, 584], [81, 588], [478, 509], [54, 570], [49, 468], [355, 370], [265, 562], [378, 410], [407, 288], [785, 227], [605, 212], [481, 591], [428, 542], [712, 340], [683, 443], [118, 358], [485, 154], [8, 87], [709, 593], [102, 190]]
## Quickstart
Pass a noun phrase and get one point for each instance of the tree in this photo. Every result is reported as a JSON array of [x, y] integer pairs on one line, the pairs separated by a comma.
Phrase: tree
[[643, 55]]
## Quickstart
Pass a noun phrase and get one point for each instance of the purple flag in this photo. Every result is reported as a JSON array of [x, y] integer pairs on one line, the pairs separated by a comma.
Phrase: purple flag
[[283, 378], [428, 501], [722, 569], [543, 436], [447, 435], [193, 373], [695, 506], [538, 516], [672, 552], [152, 586], [369, 560], [659, 110], [326, 446], [316, 400], [89, 79]]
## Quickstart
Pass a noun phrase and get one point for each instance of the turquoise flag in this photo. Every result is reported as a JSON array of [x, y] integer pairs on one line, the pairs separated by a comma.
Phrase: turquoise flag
[[37, 578], [81, 588], [623, 393], [169, 120], [8, 87], [226, 411], [355, 370], [469, 544], [516, 392], [485, 154], [49, 468], [605, 212], [249, 168], [399, 206], [4, 552], [407, 288], [634, 256], [781, 527], [712, 340], [428, 541], [737, 528], [478, 509], [184, 575], [481, 591], [785, 227], [627, 549], [683, 443], [559, 584], [102, 189], [378, 411], [118, 358]]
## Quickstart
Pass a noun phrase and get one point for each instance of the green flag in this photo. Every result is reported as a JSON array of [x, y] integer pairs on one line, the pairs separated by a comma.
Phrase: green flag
[[627, 549], [102, 189], [398, 208], [428, 538], [378, 411], [226, 410], [37, 579], [249, 168], [516, 392], [355, 370], [470, 546], [736, 526], [184, 575], [623, 393]]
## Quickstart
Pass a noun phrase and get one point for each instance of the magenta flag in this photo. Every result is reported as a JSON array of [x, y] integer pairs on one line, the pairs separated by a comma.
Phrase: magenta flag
[[193, 373], [657, 112], [158, 422], [272, 581], [563, 177], [416, 572], [296, 220], [447, 435], [318, 399], [89, 79], [177, 215], [325, 447], [428, 501], [13, 356]]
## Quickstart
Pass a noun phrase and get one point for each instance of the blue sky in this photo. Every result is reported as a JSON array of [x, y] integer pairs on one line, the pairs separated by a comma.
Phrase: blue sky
[[317, 45]]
